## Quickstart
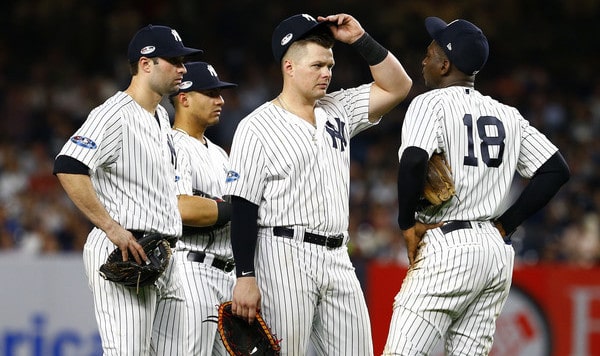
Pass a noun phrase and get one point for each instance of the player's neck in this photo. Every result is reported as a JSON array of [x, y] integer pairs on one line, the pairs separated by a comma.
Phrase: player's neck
[[459, 82], [197, 133], [303, 111], [145, 97]]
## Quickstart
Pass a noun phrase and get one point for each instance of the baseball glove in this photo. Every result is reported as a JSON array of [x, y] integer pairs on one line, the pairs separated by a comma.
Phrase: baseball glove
[[439, 185], [241, 338], [129, 273]]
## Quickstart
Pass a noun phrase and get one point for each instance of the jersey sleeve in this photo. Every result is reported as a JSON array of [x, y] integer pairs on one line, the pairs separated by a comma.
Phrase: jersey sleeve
[[353, 104], [246, 177], [97, 142], [183, 171], [536, 149], [421, 127]]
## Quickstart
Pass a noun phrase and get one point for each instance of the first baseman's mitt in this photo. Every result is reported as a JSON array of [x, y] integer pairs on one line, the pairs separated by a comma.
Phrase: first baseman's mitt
[[130, 273], [241, 338], [439, 185]]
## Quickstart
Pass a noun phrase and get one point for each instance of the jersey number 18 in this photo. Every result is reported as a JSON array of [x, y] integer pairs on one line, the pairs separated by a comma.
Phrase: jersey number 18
[[491, 135]]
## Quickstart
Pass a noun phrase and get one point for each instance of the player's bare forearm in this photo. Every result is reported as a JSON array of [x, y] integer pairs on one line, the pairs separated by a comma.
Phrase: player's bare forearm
[[197, 211], [412, 242], [413, 236], [391, 86], [246, 298], [392, 83], [80, 190]]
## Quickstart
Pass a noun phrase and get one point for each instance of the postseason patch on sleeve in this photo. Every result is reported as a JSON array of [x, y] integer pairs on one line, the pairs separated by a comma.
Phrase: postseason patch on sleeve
[[84, 142]]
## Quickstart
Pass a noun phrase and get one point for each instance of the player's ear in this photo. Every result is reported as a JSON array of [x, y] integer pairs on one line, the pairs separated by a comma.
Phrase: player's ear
[[144, 64], [445, 65], [183, 99]]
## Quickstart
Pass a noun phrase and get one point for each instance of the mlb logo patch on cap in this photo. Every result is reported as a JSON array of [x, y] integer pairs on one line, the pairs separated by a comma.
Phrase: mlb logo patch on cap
[[291, 30]]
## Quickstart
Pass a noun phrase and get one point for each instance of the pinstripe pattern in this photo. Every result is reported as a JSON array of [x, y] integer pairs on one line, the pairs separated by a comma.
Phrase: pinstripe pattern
[[205, 288], [203, 168], [132, 170], [148, 323], [320, 294], [460, 281], [128, 167], [435, 121], [298, 175], [456, 290], [290, 170]]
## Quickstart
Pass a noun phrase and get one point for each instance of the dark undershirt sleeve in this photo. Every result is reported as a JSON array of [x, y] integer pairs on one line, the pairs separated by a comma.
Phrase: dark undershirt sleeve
[[545, 183], [67, 164], [244, 232], [411, 180]]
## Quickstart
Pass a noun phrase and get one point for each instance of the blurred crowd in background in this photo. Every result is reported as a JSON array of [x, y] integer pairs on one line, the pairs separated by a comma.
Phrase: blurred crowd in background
[[60, 58]]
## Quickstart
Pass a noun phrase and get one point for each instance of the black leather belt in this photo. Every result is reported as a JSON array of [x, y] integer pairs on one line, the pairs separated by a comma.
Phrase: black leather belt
[[223, 265], [138, 234], [333, 241], [189, 230], [455, 225], [459, 224]]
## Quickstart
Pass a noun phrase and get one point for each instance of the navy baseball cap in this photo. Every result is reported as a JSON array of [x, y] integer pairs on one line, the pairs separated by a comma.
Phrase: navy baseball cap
[[464, 43], [158, 41], [201, 76], [291, 30]]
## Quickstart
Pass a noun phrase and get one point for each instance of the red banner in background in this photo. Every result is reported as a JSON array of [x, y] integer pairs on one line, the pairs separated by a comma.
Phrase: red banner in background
[[552, 310]]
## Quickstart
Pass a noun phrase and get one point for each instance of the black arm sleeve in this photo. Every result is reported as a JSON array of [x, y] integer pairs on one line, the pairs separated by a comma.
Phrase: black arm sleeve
[[67, 164], [244, 232], [541, 188], [411, 180], [223, 213]]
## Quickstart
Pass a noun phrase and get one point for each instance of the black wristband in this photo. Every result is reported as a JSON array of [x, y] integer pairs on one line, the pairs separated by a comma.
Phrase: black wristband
[[369, 49], [224, 213]]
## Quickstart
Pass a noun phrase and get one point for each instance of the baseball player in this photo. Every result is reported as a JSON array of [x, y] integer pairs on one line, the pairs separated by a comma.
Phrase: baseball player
[[118, 169], [460, 273], [204, 251], [290, 184]]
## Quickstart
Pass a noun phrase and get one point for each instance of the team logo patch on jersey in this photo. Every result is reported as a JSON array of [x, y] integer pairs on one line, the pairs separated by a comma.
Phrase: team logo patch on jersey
[[232, 176], [177, 178], [337, 133], [84, 142]]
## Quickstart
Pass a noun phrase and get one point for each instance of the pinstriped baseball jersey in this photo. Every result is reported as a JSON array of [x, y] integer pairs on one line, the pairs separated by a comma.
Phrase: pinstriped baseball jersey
[[288, 167], [298, 175], [485, 142], [202, 168], [132, 168], [461, 277], [126, 150]]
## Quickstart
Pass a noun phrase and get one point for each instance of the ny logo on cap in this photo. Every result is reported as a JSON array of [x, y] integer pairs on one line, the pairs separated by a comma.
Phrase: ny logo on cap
[[211, 70], [309, 18], [176, 35]]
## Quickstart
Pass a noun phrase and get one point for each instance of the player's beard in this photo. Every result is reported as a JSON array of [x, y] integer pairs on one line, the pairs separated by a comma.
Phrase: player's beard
[[172, 89]]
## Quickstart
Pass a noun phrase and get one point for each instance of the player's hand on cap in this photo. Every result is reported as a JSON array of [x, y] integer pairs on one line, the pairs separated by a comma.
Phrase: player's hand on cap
[[344, 27], [126, 242], [246, 298]]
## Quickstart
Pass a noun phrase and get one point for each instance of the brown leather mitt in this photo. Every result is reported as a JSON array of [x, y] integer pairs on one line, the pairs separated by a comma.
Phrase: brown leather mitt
[[439, 185], [241, 338]]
